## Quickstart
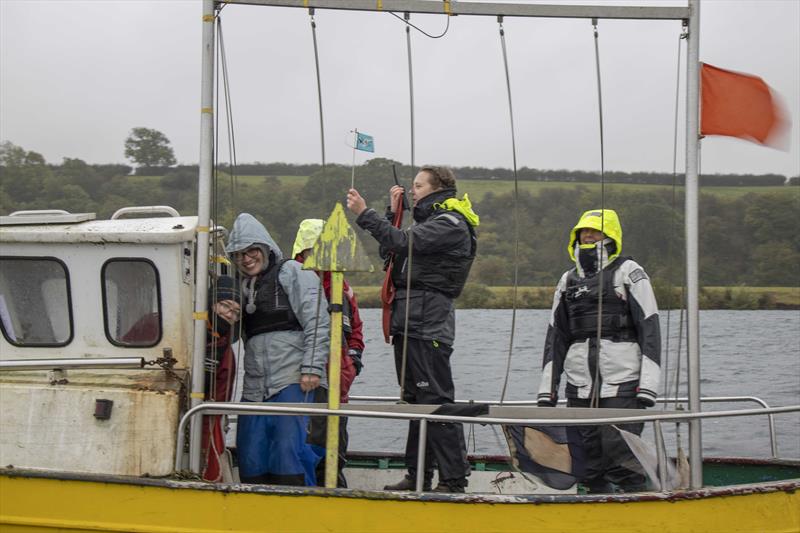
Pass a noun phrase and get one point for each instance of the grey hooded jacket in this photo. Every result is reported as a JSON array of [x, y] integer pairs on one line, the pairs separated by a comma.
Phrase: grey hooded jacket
[[275, 360]]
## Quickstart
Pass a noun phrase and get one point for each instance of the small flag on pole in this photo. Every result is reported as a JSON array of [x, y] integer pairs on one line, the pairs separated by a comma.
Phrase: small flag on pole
[[364, 142], [740, 105]]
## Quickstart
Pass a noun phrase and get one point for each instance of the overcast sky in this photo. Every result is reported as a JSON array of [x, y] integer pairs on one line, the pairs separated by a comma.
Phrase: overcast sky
[[76, 76]]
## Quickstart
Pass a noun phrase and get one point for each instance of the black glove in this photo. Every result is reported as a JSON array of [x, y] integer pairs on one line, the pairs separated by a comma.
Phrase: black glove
[[645, 401], [545, 403], [355, 355]]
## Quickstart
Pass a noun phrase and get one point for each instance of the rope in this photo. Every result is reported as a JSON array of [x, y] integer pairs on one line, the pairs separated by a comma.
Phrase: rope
[[596, 382], [411, 86], [228, 114], [408, 307], [423, 32], [673, 227], [515, 211], [319, 87], [410, 252]]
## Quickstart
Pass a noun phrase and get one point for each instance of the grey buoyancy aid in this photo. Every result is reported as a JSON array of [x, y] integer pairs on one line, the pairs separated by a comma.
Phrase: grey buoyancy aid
[[273, 311], [582, 299], [443, 273]]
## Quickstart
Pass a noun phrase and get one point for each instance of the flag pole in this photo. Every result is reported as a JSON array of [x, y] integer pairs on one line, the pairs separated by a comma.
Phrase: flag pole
[[353, 167]]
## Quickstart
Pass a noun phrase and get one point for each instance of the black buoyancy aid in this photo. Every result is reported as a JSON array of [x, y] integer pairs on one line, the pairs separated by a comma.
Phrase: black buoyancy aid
[[582, 300], [442, 273], [273, 311]]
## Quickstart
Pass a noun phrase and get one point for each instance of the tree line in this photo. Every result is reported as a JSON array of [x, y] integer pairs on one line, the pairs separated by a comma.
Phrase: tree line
[[746, 239]]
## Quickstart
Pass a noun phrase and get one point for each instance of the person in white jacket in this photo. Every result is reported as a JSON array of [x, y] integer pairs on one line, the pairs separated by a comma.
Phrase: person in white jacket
[[604, 335]]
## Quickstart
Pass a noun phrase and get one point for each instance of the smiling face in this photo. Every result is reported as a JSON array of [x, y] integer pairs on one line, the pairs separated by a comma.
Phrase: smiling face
[[422, 187], [250, 261], [590, 236]]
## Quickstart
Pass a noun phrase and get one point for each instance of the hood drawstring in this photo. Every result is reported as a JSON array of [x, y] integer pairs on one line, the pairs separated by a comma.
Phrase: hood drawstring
[[250, 292]]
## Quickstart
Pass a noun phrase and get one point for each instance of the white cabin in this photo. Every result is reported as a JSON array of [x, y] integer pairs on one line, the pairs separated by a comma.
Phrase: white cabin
[[83, 303]]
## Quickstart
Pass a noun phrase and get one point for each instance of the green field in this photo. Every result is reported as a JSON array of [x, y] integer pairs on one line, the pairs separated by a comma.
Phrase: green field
[[477, 189]]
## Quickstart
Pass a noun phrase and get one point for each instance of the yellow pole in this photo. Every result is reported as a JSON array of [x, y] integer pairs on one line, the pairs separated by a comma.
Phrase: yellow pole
[[334, 378]]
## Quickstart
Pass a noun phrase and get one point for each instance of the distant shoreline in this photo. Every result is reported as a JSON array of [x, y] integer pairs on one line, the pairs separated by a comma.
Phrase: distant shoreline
[[477, 296]]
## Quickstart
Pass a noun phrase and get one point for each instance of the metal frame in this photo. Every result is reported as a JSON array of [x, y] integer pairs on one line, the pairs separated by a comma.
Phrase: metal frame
[[505, 9], [773, 439], [264, 409], [447, 7]]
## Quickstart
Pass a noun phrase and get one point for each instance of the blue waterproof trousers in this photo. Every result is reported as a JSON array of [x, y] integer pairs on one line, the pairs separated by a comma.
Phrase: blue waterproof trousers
[[273, 449]]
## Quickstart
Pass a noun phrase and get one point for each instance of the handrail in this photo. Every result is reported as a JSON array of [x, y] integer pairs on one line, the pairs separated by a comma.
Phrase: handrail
[[62, 364], [145, 210], [34, 212], [219, 408], [773, 440]]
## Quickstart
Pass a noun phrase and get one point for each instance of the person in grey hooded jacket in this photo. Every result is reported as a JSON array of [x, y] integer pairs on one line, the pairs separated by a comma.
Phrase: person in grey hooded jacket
[[285, 354]]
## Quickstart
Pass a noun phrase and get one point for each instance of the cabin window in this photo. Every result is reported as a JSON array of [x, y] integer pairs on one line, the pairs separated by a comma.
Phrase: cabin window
[[35, 305], [131, 302]]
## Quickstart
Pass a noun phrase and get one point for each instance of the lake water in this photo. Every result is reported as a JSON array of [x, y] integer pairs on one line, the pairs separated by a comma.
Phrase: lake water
[[743, 353]]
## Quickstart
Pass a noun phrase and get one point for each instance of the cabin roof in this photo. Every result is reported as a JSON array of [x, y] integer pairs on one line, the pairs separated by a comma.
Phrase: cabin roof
[[159, 230]]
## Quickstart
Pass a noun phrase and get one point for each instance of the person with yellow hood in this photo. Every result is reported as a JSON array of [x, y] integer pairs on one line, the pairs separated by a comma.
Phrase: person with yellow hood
[[352, 348], [443, 244], [604, 335]]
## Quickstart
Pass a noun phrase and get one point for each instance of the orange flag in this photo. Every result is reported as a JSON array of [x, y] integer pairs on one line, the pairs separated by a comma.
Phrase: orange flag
[[740, 105]]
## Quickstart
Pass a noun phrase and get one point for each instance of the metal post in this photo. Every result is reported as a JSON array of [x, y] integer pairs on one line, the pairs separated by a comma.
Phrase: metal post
[[334, 379], [421, 445], [203, 223], [692, 225], [662, 456]]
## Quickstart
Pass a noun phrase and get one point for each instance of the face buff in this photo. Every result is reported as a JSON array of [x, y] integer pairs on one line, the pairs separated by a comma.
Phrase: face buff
[[590, 258]]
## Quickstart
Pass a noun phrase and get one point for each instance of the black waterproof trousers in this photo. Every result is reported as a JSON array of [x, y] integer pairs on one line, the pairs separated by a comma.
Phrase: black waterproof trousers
[[429, 380], [608, 457]]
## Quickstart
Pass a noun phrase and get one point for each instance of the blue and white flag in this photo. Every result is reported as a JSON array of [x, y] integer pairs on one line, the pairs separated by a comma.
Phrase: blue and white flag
[[364, 142]]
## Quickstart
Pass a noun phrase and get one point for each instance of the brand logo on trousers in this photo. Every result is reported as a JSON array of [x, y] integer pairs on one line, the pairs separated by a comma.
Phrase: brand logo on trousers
[[423, 384]]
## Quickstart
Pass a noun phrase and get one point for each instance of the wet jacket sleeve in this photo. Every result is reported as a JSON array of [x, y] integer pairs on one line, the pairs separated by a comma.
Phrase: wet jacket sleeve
[[302, 288], [355, 341], [556, 345], [439, 233], [644, 310]]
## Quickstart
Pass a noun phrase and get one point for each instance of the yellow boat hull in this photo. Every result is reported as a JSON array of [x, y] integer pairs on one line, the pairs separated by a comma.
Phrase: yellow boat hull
[[38, 503]]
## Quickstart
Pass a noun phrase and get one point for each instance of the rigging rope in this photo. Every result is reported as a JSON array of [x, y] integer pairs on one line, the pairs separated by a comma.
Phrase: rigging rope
[[515, 210], [319, 88], [401, 204], [595, 401], [673, 230]]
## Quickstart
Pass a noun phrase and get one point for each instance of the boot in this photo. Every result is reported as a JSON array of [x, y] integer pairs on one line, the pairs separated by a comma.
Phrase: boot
[[452, 485], [409, 482]]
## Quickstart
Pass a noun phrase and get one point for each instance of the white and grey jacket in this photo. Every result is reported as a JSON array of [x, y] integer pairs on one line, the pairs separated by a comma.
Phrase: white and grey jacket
[[626, 367]]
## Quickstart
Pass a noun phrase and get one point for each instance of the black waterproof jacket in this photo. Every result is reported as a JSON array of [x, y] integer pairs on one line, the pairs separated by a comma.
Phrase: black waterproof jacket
[[444, 247]]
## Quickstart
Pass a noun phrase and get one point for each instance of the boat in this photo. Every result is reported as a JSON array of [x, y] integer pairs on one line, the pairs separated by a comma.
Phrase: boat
[[101, 382]]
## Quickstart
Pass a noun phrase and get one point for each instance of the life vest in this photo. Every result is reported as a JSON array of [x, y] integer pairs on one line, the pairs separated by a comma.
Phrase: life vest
[[443, 273], [273, 311], [582, 301]]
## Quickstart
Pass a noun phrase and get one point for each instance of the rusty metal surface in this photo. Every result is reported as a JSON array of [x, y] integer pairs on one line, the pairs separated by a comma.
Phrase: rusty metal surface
[[170, 482]]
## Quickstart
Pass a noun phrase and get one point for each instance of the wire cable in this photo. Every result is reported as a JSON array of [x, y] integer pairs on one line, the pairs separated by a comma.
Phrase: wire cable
[[515, 210], [596, 385], [423, 32]]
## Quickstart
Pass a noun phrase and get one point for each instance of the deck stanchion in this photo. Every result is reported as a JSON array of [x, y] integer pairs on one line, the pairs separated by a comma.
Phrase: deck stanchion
[[421, 450], [662, 456]]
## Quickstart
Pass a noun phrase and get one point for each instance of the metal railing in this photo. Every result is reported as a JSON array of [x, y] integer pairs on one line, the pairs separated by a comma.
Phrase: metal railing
[[219, 408], [773, 440]]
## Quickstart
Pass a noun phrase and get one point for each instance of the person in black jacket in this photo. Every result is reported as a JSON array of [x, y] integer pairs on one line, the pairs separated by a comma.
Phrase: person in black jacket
[[443, 241]]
